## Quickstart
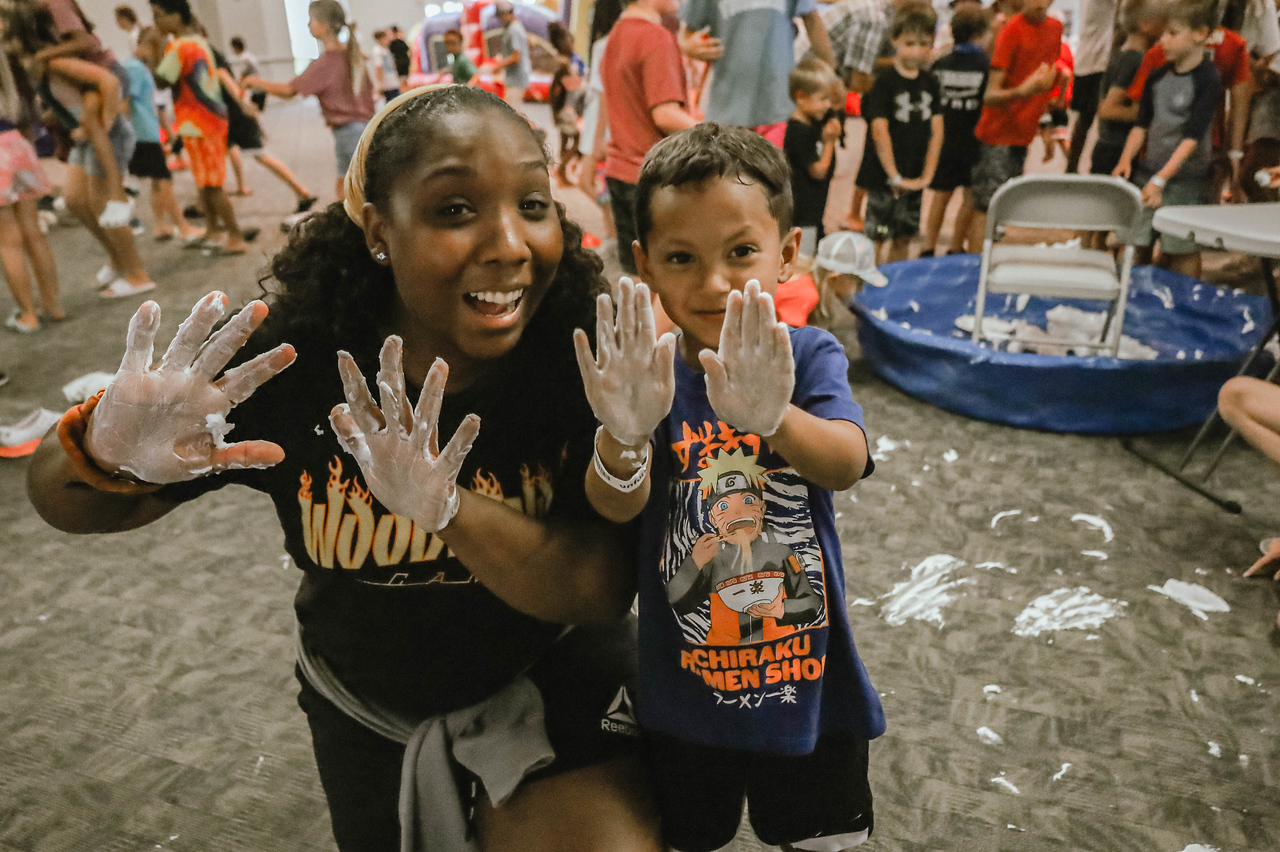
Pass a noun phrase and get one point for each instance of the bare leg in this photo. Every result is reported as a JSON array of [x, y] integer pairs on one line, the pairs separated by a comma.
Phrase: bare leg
[[963, 224], [237, 166], [1183, 264], [216, 202], [164, 204], [978, 231], [41, 256], [898, 248], [280, 170], [15, 267], [81, 204], [125, 257], [854, 221], [938, 202]]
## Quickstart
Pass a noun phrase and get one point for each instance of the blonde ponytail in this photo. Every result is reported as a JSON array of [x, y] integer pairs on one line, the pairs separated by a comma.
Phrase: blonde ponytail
[[355, 58], [331, 14]]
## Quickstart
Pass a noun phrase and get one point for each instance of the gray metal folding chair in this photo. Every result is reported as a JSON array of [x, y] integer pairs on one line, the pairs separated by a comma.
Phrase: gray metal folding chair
[[1082, 202]]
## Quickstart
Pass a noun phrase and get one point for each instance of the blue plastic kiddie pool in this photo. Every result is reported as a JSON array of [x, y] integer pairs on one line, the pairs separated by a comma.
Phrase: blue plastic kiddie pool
[[1200, 334]]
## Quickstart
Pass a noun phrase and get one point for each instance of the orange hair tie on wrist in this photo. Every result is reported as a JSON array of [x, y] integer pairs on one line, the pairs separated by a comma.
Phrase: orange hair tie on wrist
[[71, 431]]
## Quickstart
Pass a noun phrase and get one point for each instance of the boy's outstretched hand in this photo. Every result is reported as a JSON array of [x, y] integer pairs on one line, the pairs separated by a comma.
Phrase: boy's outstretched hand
[[631, 381], [398, 447], [165, 423], [750, 380]]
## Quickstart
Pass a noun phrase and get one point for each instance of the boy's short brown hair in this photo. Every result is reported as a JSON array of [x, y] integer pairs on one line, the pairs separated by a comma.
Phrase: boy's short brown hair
[[1194, 14], [915, 19], [711, 150], [968, 23], [453, 33], [811, 76]]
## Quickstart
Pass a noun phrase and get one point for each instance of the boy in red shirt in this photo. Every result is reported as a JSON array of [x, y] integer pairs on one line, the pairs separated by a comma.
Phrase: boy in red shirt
[[1019, 88], [644, 99], [1231, 58]]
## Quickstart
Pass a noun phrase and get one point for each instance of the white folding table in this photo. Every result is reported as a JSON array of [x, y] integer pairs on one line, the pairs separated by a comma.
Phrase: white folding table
[[1253, 229]]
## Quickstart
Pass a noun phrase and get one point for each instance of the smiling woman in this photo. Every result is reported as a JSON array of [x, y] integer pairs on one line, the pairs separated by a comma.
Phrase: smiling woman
[[424, 607]]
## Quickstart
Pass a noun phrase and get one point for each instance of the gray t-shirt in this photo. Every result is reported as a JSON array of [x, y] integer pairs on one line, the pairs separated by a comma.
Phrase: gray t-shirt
[[749, 82], [1175, 107], [515, 38]]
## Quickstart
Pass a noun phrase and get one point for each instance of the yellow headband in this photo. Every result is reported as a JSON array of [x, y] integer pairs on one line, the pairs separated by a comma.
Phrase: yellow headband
[[353, 183]]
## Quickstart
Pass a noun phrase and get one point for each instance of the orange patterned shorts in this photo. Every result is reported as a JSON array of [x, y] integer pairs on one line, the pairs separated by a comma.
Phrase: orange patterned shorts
[[208, 159]]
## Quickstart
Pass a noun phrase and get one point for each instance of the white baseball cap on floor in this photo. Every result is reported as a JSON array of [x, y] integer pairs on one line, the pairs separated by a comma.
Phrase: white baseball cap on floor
[[850, 253]]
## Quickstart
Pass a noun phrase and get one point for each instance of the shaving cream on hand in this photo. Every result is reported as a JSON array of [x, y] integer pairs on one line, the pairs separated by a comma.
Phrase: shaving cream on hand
[[751, 378], [630, 382], [396, 446], [167, 423]]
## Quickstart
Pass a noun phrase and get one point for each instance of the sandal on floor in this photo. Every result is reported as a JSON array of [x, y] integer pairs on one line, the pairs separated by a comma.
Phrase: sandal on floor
[[13, 323], [120, 288]]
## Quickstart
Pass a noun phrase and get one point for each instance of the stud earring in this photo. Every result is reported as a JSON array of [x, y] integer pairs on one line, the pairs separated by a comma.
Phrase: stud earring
[[380, 256]]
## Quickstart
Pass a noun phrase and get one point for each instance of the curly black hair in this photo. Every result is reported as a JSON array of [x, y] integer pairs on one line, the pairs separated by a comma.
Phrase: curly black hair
[[329, 288]]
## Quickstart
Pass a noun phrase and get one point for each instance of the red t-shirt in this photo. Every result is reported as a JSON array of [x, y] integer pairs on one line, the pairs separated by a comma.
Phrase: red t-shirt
[[795, 299], [640, 70], [1020, 48], [1230, 57], [328, 77]]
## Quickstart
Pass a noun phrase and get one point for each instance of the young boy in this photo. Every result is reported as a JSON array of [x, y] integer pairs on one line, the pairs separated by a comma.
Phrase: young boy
[[810, 146], [902, 110], [1143, 22], [644, 100], [1018, 90], [460, 65], [201, 117], [749, 682], [149, 160], [1174, 121], [962, 81]]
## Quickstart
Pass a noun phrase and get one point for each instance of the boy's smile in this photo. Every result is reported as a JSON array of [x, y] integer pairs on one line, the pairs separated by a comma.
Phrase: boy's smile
[[708, 239]]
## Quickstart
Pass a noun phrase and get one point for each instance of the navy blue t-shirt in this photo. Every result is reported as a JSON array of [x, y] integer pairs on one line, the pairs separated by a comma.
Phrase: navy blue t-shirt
[[745, 641]]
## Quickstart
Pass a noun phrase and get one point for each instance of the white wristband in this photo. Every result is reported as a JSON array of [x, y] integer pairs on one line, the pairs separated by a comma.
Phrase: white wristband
[[895, 181], [1158, 181], [626, 486]]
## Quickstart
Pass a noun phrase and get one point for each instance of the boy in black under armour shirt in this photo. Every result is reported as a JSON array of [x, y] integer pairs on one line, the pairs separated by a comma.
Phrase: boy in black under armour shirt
[[902, 109]]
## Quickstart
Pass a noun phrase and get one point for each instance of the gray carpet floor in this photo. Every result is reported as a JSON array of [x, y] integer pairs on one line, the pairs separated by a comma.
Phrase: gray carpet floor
[[146, 686]]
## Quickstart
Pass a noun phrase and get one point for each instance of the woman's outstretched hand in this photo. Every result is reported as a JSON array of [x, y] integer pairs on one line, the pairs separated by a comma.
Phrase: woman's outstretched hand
[[751, 377], [166, 423], [398, 447], [631, 381]]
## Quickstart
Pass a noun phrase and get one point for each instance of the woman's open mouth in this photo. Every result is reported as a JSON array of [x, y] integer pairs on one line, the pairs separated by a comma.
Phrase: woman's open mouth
[[495, 303]]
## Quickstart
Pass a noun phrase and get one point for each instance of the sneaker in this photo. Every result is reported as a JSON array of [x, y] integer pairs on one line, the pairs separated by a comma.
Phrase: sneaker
[[23, 437], [306, 204], [121, 288], [14, 323]]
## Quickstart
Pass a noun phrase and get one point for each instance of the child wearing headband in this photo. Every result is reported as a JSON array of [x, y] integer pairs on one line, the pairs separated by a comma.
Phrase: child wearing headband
[[338, 78], [443, 547]]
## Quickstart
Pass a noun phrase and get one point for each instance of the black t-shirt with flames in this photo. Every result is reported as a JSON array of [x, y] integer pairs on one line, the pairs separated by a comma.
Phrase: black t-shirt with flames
[[398, 618]]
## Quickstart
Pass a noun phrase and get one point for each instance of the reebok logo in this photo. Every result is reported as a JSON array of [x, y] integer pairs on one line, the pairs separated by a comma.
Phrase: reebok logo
[[620, 718]]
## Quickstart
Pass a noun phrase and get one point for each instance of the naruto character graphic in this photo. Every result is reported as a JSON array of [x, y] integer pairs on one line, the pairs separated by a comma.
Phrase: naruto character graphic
[[756, 585]]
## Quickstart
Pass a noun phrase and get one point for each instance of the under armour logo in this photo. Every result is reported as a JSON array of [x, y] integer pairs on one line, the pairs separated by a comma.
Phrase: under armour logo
[[906, 107]]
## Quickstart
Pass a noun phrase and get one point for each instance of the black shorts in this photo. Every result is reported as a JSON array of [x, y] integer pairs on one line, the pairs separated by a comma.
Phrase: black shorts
[[955, 167], [149, 161], [790, 798], [259, 99], [583, 680], [1104, 158], [890, 216], [1086, 90], [244, 132], [997, 165]]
